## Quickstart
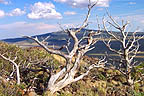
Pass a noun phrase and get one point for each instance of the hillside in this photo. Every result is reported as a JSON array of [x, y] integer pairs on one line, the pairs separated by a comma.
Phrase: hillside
[[99, 82], [59, 38]]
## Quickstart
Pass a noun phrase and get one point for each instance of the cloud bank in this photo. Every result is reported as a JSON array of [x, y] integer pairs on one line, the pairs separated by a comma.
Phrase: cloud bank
[[132, 3], [18, 29], [16, 12], [2, 13], [84, 3], [44, 10], [4, 2], [69, 13]]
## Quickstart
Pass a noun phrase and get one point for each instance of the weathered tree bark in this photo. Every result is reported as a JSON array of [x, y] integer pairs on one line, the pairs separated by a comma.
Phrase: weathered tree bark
[[129, 46], [16, 66], [67, 75]]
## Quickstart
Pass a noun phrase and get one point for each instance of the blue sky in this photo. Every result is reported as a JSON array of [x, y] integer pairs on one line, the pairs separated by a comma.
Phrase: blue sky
[[31, 17]]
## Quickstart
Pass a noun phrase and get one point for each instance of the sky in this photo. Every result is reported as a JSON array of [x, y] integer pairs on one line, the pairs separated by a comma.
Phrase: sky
[[32, 17]]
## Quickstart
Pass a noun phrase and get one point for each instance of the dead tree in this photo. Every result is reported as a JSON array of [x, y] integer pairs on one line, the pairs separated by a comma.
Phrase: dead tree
[[15, 65], [129, 45], [67, 75]]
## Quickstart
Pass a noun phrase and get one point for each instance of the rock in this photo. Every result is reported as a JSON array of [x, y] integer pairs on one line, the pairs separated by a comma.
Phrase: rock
[[59, 58], [142, 88], [32, 94], [114, 82], [109, 71]]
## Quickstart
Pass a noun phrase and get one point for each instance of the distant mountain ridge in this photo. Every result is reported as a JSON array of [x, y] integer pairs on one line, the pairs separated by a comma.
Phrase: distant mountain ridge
[[54, 37], [14, 40], [59, 38]]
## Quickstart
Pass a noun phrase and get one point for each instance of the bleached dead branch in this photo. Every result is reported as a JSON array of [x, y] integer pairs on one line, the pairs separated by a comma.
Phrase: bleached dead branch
[[130, 45], [15, 64], [67, 75]]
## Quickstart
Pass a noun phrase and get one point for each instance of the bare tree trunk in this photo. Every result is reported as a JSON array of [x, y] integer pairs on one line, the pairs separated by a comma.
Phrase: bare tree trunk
[[129, 44], [18, 75], [67, 75], [16, 66]]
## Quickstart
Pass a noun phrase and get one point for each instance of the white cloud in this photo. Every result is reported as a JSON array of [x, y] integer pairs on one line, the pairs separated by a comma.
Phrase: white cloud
[[18, 29], [142, 21], [16, 12], [136, 20], [44, 10], [5, 2], [2, 13], [69, 13], [132, 3], [84, 3]]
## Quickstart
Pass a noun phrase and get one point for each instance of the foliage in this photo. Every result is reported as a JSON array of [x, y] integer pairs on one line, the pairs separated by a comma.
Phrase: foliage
[[99, 82], [8, 89], [30, 67]]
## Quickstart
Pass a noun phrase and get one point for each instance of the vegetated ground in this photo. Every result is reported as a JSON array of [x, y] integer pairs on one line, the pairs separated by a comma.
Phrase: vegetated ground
[[99, 82]]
